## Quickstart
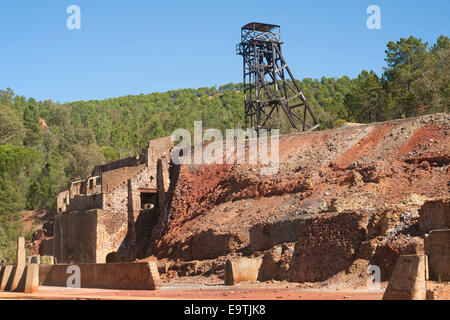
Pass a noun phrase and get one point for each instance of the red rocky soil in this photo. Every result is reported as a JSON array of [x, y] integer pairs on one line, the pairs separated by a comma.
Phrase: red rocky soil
[[342, 199]]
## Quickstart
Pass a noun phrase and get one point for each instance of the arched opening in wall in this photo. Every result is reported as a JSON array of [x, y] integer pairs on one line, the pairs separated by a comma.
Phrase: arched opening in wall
[[149, 200]]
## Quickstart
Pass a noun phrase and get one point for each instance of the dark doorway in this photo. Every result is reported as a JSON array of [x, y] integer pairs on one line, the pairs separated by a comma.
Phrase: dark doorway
[[149, 200], [145, 222]]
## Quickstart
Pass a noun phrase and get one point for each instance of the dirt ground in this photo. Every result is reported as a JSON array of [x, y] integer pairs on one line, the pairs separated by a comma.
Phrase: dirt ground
[[212, 288], [208, 292]]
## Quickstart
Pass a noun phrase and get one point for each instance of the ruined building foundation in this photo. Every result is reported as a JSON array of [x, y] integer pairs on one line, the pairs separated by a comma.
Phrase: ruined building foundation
[[100, 216]]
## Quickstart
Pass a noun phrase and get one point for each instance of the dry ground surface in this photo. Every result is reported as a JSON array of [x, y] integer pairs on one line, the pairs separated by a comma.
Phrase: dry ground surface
[[254, 291]]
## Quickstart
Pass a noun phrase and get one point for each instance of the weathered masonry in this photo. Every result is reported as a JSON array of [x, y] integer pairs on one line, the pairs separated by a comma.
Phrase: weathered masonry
[[101, 217]]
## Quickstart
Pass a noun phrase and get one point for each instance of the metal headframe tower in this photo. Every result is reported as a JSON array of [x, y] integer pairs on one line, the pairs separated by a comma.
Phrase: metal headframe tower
[[266, 88]]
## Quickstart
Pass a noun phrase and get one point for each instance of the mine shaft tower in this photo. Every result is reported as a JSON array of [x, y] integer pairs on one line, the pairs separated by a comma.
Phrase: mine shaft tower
[[266, 88]]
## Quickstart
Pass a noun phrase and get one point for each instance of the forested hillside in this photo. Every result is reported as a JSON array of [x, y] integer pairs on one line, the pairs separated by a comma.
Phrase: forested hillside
[[44, 144]]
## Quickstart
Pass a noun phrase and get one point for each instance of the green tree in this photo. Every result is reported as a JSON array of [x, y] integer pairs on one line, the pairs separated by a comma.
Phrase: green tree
[[366, 101], [110, 154], [11, 128], [406, 59]]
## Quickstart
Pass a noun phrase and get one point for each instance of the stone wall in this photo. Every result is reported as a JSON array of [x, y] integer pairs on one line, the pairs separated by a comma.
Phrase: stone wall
[[88, 236], [112, 224], [126, 162], [93, 185], [319, 246], [157, 148], [327, 246], [103, 208], [85, 202], [112, 229], [113, 178], [408, 281], [75, 188], [210, 244], [116, 200], [108, 229], [76, 236], [264, 236], [437, 248], [435, 214], [62, 201], [125, 276]]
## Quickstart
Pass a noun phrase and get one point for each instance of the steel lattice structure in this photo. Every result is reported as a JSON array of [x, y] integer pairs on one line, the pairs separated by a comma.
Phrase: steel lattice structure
[[266, 88]]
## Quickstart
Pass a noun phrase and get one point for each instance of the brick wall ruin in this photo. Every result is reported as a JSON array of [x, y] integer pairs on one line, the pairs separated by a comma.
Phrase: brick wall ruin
[[97, 215]]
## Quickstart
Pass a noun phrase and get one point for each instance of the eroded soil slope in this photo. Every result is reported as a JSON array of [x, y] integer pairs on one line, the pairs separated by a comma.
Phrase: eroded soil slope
[[342, 198]]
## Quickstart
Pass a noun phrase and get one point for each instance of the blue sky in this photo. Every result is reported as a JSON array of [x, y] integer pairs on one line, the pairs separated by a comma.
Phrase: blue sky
[[137, 46]]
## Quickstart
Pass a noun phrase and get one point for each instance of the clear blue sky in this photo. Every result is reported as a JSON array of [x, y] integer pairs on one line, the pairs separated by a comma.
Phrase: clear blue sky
[[143, 46]]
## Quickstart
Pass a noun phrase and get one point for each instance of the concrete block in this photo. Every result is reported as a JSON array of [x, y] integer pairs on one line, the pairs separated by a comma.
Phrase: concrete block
[[242, 270], [5, 274], [127, 276], [20, 251], [408, 279], [17, 277], [28, 280], [31, 279], [437, 248]]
